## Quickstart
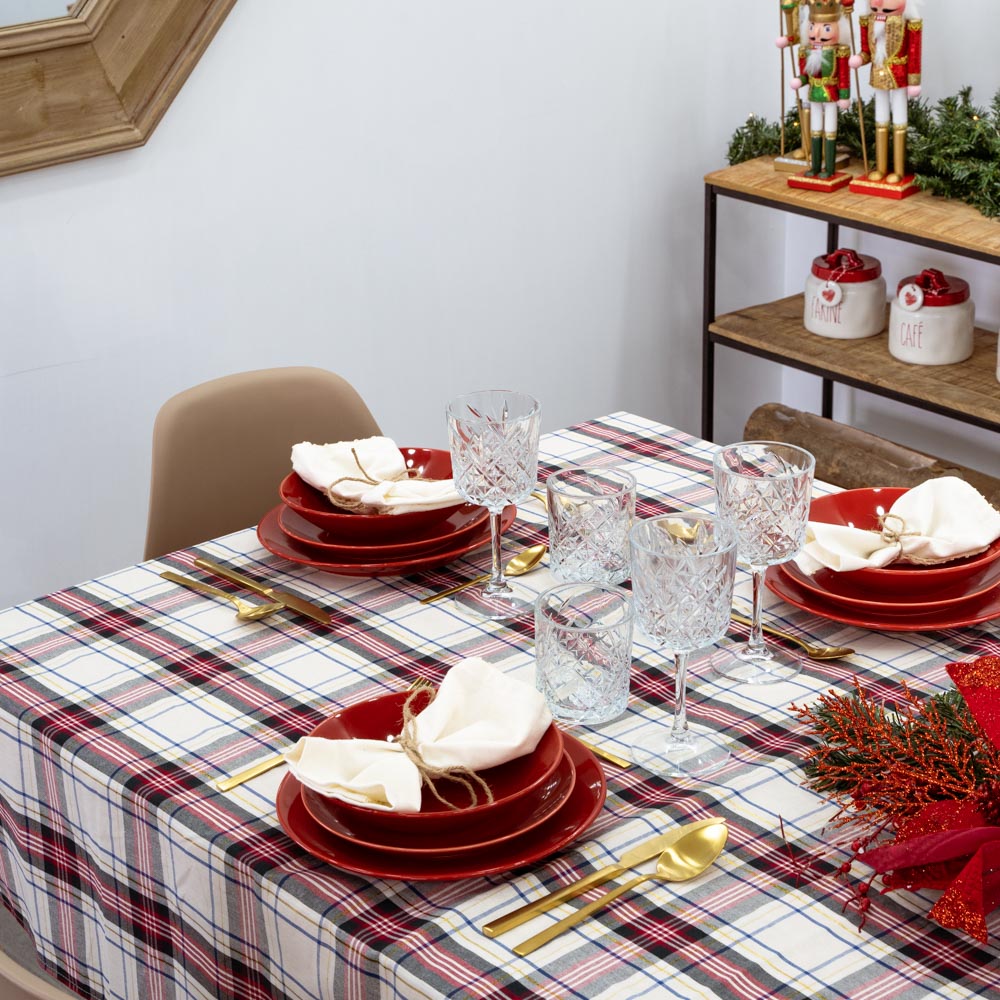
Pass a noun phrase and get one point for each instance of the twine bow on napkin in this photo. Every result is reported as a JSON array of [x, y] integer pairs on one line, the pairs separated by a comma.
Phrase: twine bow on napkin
[[935, 522], [479, 719], [369, 476]]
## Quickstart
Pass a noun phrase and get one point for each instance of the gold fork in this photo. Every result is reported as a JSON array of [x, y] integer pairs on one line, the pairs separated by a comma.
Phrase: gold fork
[[276, 759]]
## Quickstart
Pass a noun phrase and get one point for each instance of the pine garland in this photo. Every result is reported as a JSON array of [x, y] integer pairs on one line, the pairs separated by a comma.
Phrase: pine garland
[[953, 148], [881, 765], [959, 157], [759, 137], [917, 784]]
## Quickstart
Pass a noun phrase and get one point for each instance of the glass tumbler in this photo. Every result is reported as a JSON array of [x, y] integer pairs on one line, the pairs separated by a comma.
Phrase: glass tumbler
[[590, 515], [583, 651]]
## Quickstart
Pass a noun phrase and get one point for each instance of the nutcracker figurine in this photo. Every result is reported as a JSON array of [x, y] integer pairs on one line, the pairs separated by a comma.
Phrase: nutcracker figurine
[[891, 36], [791, 16], [824, 69]]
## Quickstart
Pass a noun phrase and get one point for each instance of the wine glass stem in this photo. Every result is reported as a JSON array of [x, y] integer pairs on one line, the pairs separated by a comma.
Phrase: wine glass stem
[[497, 582], [755, 643], [680, 727]]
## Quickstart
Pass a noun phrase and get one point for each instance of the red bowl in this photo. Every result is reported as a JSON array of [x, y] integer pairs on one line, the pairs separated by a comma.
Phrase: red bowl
[[446, 843], [513, 784], [310, 503], [862, 508]]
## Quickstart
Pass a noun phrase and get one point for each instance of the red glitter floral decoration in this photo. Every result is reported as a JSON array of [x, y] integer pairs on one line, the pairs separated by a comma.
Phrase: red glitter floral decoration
[[921, 781]]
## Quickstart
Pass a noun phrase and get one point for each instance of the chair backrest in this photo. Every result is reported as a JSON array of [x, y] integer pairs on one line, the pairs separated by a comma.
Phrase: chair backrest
[[21, 978], [18, 983], [221, 448], [852, 458]]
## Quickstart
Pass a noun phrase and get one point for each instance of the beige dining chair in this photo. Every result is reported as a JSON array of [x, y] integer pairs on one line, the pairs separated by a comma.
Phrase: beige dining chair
[[853, 458], [221, 448], [20, 976]]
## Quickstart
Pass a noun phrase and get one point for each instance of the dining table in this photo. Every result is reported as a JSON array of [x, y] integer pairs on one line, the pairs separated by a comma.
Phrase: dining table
[[124, 699]]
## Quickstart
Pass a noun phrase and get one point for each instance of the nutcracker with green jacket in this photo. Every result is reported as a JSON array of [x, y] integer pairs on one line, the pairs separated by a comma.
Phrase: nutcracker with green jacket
[[824, 69]]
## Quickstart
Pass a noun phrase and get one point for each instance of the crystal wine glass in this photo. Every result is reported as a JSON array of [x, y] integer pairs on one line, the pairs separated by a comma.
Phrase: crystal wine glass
[[494, 460], [764, 488], [683, 567]]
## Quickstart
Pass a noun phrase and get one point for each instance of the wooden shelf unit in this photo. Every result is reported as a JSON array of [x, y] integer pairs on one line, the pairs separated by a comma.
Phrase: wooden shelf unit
[[968, 391]]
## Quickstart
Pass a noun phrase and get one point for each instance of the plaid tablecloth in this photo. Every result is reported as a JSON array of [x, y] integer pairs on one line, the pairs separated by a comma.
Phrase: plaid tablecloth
[[123, 698]]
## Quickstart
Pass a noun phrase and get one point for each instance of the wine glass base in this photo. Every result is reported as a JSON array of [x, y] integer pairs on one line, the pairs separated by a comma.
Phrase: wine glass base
[[692, 757], [501, 607], [746, 666]]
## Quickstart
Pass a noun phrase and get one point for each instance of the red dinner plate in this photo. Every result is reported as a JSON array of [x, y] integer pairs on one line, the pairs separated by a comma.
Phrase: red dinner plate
[[824, 584], [273, 539], [463, 840], [971, 612], [567, 823], [461, 523]]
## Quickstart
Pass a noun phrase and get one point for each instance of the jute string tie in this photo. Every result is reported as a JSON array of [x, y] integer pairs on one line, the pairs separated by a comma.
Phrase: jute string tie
[[365, 477], [893, 535], [893, 529], [465, 776]]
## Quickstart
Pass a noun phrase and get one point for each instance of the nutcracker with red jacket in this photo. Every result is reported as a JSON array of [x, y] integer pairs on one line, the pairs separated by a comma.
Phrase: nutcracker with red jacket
[[824, 69], [891, 38]]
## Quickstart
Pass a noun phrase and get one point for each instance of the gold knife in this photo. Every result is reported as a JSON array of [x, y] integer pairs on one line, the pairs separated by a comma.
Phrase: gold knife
[[292, 601], [635, 856], [606, 754], [248, 773]]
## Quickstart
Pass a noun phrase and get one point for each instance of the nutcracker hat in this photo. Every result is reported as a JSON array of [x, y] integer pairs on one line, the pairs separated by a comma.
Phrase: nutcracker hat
[[821, 11]]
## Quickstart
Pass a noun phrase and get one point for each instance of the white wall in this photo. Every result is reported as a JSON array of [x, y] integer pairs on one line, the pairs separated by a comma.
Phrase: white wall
[[426, 196]]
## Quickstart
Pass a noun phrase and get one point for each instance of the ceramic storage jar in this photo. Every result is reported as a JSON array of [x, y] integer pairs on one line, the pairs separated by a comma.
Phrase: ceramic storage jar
[[932, 319], [845, 296]]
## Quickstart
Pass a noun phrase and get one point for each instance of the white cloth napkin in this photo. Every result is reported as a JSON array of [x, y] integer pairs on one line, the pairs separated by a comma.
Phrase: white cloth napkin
[[937, 521], [378, 485], [480, 718]]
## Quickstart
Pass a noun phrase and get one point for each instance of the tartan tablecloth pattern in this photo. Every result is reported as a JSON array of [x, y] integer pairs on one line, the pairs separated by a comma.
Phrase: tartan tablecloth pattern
[[123, 698]]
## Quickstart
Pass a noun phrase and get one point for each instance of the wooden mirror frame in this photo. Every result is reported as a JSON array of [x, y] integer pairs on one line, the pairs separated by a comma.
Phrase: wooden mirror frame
[[99, 80]]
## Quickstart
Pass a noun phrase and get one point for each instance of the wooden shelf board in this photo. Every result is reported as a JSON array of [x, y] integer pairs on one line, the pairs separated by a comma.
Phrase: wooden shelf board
[[969, 389], [922, 216]]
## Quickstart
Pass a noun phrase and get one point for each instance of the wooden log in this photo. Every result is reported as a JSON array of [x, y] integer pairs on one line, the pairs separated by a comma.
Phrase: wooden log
[[852, 458]]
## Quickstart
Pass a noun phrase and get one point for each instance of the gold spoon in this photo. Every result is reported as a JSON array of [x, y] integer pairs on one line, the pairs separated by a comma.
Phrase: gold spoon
[[683, 860], [524, 562], [812, 651], [245, 611]]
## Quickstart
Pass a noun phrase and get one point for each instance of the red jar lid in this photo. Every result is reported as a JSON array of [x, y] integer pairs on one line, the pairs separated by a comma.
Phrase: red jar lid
[[938, 289], [847, 266]]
